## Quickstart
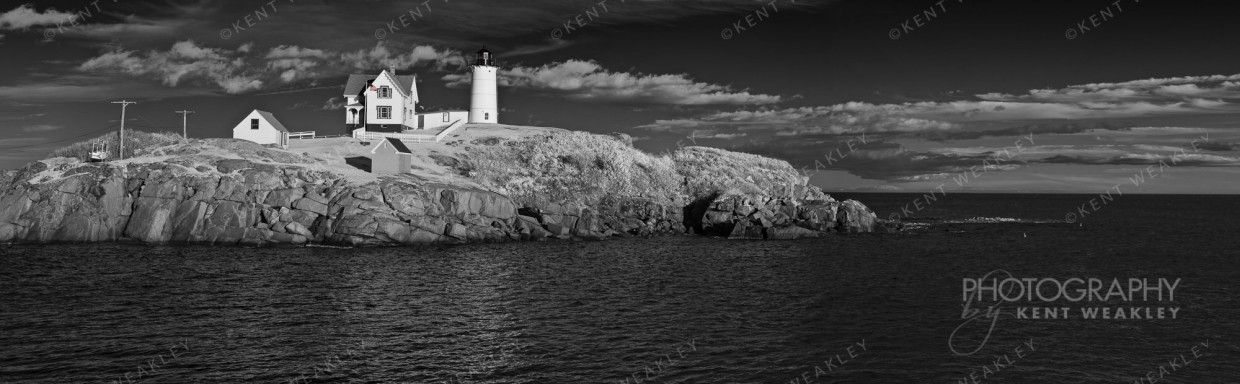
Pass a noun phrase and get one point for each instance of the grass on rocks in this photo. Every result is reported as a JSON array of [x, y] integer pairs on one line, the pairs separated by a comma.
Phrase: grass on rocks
[[585, 167], [137, 143]]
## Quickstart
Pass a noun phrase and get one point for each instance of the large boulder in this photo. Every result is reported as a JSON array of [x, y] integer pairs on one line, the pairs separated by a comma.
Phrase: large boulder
[[744, 230], [755, 217], [855, 217]]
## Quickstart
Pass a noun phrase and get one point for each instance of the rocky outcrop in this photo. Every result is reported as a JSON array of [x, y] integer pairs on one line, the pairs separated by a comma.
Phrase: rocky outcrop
[[758, 217], [202, 200], [241, 202]]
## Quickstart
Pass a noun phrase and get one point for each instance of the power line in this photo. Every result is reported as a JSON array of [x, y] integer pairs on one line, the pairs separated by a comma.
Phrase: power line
[[124, 104]]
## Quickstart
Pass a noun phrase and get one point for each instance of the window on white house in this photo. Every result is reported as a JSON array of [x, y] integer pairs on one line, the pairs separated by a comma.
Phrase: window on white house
[[385, 112], [253, 123], [385, 92], [486, 116], [445, 117]]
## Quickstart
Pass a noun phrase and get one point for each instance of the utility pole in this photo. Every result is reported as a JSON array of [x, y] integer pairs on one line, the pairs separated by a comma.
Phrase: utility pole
[[184, 130], [124, 104]]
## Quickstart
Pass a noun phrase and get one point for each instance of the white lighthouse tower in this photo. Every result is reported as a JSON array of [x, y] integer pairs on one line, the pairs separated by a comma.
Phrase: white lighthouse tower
[[484, 102]]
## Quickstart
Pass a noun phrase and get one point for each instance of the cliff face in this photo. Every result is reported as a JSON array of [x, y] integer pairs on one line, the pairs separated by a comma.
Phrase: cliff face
[[242, 202], [181, 195]]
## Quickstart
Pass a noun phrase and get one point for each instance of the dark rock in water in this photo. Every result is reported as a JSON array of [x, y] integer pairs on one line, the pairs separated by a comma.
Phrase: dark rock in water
[[766, 222], [790, 232], [736, 216], [744, 230], [557, 229], [457, 231], [855, 217]]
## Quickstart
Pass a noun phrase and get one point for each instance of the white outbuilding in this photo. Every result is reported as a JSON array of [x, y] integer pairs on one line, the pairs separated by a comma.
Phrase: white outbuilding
[[263, 128]]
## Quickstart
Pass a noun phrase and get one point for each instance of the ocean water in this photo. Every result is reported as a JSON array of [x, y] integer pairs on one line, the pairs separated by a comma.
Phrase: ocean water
[[867, 308]]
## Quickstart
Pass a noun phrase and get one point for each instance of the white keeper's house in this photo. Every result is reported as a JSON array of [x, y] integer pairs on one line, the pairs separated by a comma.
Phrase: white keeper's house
[[387, 104]]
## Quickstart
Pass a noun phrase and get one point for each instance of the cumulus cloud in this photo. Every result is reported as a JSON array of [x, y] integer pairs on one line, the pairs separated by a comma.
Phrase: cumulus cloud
[[185, 61], [334, 104], [589, 81], [381, 56], [25, 16], [957, 119], [248, 69]]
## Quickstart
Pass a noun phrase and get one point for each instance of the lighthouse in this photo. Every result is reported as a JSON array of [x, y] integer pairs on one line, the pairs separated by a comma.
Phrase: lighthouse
[[483, 101]]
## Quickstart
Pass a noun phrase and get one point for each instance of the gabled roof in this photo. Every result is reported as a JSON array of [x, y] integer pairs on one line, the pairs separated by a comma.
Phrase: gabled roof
[[271, 119], [395, 143], [403, 82], [357, 84]]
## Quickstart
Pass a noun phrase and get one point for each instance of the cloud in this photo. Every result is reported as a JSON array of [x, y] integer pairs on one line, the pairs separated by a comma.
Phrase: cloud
[[978, 111], [588, 81], [833, 120], [1218, 147], [1188, 159], [288, 51], [132, 28], [875, 158], [245, 69], [1022, 130], [25, 16], [41, 128], [547, 46], [1038, 111], [380, 56], [185, 61], [708, 134], [334, 104], [1221, 87]]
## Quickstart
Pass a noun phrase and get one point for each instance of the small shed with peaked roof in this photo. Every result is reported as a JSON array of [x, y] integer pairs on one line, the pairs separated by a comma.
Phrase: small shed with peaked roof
[[390, 156], [263, 128]]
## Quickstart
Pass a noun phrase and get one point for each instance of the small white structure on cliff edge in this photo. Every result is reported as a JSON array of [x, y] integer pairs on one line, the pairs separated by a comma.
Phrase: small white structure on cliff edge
[[263, 128], [388, 103]]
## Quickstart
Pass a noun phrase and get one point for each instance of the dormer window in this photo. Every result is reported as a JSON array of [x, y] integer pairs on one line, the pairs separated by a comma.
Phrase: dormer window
[[385, 92]]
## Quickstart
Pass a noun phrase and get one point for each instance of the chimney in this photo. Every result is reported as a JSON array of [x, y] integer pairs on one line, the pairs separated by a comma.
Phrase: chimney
[[392, 69]]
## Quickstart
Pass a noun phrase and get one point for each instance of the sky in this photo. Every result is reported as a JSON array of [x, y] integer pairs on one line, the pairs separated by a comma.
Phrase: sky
[[1073, 96]]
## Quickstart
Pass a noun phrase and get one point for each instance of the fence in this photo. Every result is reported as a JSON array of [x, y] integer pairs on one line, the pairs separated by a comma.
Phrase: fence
[[369, 136]]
